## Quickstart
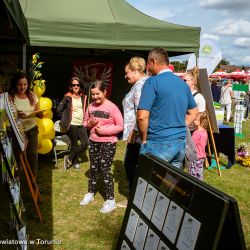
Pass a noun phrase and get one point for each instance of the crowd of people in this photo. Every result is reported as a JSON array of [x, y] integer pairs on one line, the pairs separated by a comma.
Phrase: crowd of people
[[223, 93], [158, 111]]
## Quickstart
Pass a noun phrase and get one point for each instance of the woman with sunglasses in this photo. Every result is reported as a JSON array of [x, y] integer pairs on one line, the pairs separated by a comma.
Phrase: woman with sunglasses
[[72, 109]]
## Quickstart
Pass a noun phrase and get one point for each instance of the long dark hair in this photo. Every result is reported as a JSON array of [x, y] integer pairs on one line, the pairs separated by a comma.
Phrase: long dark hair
[[80, 92], [13, 86]]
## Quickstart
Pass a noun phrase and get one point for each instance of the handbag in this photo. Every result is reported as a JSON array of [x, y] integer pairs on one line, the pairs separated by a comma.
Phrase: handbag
[[222, 95], [190, 153]]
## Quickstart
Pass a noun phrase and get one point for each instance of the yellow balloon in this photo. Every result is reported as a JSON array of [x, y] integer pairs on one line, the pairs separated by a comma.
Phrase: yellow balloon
[[47, 125], [45, 146], [39, 89], [50, 135], [45, 103], [48, 114], [40, 126]]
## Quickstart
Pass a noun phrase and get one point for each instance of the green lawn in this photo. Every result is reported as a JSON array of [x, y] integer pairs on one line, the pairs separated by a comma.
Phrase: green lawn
[[80, 228]]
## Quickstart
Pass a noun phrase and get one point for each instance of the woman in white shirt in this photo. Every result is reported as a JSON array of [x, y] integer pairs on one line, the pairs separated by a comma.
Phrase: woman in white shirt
[[26, 102], [191, 78], [135, 75], [226, 98]]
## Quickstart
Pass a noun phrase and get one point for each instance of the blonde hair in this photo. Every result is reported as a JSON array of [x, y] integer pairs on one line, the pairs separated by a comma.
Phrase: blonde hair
[[204, 120], [194, 73], [137, 63]]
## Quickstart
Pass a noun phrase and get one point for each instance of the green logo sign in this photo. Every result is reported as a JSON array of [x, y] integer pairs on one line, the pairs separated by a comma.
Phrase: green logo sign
[[207, 49]]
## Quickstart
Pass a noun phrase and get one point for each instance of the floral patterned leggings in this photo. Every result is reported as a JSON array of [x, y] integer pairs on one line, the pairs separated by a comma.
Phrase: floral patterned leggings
[[195, 168], [101, 155]]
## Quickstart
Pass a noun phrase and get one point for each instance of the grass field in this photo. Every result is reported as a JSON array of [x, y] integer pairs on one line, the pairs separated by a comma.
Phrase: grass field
[[78, 228]]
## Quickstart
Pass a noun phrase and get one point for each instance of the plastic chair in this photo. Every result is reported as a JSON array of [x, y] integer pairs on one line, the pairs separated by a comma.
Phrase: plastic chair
[[62, 142]]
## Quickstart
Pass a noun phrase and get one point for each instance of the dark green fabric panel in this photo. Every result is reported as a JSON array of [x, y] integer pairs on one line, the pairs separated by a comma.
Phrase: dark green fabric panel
[[103, 24], [15, 10]]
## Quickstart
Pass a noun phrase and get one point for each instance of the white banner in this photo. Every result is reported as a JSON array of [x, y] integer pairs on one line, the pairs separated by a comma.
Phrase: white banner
[[209, 56], [191, 61]]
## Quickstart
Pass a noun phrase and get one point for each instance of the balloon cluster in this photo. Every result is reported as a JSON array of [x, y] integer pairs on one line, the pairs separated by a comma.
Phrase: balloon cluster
[[45, 125]]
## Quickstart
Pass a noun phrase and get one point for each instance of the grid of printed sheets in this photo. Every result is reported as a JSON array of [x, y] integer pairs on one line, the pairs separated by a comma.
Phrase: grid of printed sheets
[[165, 215]]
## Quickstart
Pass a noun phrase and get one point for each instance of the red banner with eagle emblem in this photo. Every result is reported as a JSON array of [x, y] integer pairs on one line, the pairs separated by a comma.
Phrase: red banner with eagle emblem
[[89, 72]]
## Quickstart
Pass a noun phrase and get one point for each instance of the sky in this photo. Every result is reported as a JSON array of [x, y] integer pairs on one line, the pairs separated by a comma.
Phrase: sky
[[227, 22]]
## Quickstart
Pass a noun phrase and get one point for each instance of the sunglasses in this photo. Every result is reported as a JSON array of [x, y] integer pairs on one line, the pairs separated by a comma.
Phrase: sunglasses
[[75, 85]]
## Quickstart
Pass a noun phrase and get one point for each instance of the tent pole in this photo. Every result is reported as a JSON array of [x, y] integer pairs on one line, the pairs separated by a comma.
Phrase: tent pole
[[196, 59], [24, 57]]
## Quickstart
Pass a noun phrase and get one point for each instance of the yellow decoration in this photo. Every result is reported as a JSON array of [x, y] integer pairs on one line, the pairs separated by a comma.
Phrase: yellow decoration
[[39, 88], [45, 103], [50, 135], [244, 161], [45, 146], [48, 114], [40, 126], [46, 126]]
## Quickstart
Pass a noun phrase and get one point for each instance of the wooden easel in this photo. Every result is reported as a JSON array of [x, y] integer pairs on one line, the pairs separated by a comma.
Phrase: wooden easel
[[33, 187], [205, 90], [214, 148]]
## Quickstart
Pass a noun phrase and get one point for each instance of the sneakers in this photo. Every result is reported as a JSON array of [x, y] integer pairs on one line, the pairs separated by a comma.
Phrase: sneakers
[[76, 166], [66, 162], [87, 199], [108, 206], [123, 203]]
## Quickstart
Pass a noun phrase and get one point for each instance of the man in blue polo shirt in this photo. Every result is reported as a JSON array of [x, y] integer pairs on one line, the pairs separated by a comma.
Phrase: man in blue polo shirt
[[166, 107]]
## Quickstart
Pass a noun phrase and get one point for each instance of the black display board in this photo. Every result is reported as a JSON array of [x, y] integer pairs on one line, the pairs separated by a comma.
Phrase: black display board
[[169, 209], [205, 89]]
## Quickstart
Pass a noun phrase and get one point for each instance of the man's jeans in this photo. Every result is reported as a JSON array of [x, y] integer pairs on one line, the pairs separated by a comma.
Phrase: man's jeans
[[172, 151]]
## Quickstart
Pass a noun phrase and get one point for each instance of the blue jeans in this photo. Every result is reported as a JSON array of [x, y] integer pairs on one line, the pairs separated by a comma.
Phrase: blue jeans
[[172, 151]]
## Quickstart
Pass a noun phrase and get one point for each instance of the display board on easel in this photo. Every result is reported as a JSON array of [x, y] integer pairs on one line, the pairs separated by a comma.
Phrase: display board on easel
[[205, 89], [8, 167], [19, 136], [170, 209], [17, 213], [239, 94]]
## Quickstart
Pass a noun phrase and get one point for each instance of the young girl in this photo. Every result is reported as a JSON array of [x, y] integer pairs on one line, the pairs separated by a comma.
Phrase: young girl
[[105, 121], [199, 137]]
